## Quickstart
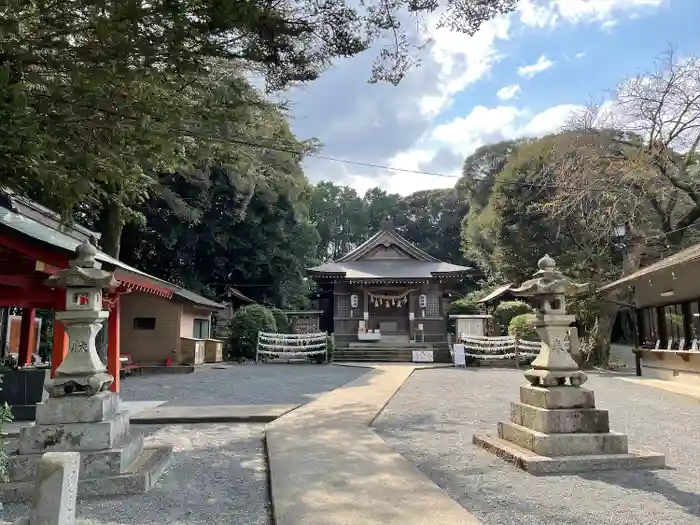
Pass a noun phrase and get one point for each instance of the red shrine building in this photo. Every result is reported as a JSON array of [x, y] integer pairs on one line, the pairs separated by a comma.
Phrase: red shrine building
[[34, 245]]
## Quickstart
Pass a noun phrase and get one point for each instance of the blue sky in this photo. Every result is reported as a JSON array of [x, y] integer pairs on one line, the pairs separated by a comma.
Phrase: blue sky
[[450, 106]]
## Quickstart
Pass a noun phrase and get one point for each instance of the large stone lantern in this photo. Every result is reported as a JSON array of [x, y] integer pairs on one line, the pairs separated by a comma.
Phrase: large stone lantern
[[556, 426], [82, 371], [81, 414], [548, 288]]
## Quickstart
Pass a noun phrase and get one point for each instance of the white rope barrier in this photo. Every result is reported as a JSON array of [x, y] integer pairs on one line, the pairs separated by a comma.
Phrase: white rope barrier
[[289, 346], [488, 348]]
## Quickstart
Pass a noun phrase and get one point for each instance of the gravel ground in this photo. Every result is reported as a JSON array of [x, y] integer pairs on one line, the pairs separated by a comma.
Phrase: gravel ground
[[240, 385], [218, 476], [432, 418]]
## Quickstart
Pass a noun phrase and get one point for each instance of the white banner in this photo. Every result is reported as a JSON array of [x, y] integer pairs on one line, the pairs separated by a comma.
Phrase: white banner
[[423, 356]]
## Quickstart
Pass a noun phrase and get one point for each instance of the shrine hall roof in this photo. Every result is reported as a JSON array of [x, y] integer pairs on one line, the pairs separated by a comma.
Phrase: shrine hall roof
[[65, 239], [407, 261], [399, 269]]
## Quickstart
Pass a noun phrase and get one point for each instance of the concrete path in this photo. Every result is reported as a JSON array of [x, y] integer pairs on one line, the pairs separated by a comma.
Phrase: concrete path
[[328, 468], [669, 386]]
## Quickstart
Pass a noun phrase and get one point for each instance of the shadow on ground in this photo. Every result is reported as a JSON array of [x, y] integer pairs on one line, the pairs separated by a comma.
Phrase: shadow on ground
[[218, 476], [432, 419]]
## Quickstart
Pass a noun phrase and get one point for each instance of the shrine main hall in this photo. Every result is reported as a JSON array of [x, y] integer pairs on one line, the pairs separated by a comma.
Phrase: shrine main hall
[[388, 292]]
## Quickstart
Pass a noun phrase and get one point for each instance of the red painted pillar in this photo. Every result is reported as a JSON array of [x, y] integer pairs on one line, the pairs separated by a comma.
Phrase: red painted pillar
[[59, 347], [113, 350], [27, 343]]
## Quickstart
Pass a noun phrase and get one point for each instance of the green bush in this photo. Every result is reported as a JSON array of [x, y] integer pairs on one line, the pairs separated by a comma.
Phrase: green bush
[[507, 310], [244, 327], [521, 327], [465, 306], [282, 321], [5, 417]]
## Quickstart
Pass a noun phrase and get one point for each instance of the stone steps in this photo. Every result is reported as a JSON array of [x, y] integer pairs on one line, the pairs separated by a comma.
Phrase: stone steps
[[397, 354]]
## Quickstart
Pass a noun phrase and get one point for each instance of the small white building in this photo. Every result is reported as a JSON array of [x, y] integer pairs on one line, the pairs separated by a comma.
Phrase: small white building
[[471, 325]]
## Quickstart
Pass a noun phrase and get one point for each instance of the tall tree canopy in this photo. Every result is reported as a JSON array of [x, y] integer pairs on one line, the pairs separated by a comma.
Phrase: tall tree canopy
[[430, 219]]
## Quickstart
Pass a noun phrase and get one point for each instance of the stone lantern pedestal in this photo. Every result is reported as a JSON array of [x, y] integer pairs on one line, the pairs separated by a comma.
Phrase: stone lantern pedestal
[[556, 427], [81, 414]]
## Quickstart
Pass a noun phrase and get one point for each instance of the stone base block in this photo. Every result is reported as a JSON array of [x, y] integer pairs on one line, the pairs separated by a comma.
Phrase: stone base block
[[557, 397], [139, 478], [555, 445], [93, 464], [543, 465], [78, 409], [74, 437], [563, 420]]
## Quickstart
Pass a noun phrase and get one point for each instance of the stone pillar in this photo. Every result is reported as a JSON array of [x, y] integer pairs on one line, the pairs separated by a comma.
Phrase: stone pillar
[[556, 426], [56, 490], [81, 415]]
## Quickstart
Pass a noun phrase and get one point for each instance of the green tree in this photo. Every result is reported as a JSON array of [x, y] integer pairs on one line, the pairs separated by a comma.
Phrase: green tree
[[96, 97], [433, 221], [339, 214], [521, 327], [244, 327], [507, 310]]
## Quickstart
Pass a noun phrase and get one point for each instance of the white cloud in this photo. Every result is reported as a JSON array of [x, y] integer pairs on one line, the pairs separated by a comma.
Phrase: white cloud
[[463, 136], [580, 55], [549, 13], [396, 126], [529, 71], [462, 60], [508, 92]]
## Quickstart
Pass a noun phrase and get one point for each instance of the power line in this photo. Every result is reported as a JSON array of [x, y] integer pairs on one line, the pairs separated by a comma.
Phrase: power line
[[415, 172]]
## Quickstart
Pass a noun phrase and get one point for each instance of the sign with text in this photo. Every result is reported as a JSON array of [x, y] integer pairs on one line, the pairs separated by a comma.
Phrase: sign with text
[[422, 356], [459, 357]]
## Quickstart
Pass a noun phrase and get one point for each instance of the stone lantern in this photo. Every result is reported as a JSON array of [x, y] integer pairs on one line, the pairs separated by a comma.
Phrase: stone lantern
[[82, 371], [548, 288], [556, 427], [81, 414]]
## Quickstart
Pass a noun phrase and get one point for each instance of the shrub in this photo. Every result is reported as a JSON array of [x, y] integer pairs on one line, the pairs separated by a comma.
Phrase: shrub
[[465, 306], [284, 326], [5, 417], [244, 327], [507, 310], [521, 327]]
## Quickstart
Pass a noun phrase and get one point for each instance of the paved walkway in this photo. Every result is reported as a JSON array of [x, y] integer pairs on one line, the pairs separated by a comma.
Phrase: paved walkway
[[328, 468], [668, 386]]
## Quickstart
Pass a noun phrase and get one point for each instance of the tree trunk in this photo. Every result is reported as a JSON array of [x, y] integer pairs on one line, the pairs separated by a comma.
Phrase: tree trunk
[[606, 321], [111, 226]]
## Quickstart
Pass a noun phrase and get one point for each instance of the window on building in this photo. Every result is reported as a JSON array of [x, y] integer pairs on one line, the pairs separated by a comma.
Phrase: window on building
[[673, 317], [144, 323], [650, 325], [694, 320], [342, 306], [432, 306], [201, 329]]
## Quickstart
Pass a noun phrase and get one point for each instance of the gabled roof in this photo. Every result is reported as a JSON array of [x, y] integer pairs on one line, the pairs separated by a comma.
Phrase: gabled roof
[[498, 292], [68, 239], [416, 264], [387, 237]]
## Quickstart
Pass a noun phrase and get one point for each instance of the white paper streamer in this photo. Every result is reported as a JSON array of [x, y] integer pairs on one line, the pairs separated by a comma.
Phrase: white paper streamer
[[291, 345], [485, 348]]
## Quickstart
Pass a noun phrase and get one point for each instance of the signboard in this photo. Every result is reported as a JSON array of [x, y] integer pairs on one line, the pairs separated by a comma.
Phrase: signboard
[[459, 357], [422, 356]]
